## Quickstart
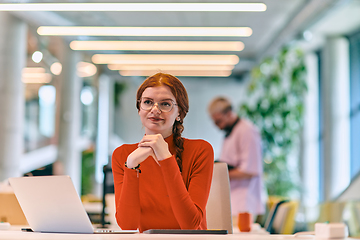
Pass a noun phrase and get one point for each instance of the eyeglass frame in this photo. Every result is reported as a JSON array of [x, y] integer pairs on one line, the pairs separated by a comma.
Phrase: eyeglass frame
[[158, 106]]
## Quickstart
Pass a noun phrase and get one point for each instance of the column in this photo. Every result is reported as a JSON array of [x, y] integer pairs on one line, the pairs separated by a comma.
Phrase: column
[[310, 139], [335, 99], [13, 36], [70, 115]]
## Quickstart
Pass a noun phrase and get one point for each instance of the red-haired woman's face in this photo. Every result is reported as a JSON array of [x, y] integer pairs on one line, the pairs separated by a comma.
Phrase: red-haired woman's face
[[154, 120]]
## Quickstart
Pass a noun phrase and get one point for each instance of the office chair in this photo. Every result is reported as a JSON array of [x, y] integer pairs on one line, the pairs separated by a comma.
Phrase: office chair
[[108, 188], [331, 211], [218, 208], [10, 210], [284, 220], [351, 217], [271, 216]]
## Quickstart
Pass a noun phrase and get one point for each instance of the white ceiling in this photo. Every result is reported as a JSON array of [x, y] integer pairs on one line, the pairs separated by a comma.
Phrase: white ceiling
[[341, 20], [282, 21]]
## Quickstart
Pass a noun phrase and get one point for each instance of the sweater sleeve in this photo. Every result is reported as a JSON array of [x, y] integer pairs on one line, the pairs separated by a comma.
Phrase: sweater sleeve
[[126, 186], [189, 204]]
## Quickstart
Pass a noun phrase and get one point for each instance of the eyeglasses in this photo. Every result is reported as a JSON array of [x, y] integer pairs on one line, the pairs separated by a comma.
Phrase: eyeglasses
[[147, 104]]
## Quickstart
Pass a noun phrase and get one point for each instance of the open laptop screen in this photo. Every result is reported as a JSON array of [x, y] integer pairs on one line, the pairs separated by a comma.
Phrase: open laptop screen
[[51, 204]]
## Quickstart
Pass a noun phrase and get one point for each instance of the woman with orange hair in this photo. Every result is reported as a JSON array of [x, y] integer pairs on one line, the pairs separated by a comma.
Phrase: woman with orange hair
[[162, 182]]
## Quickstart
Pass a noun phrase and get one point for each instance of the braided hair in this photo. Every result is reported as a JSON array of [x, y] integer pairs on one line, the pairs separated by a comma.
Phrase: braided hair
[[182, 100]]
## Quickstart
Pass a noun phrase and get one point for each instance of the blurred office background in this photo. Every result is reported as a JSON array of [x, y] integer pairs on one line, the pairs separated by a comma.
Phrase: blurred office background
[[68, 95]]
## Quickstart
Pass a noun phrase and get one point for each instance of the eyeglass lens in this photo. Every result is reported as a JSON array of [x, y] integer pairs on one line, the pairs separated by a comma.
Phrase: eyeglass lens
[[164, 106]]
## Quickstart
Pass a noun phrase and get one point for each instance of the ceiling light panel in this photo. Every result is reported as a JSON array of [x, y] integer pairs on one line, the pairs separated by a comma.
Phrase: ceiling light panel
[[158, 45], [184, 59], [35, 75], [171, 67], [138, 7], [145, 31], [177, 73], [33, 70]]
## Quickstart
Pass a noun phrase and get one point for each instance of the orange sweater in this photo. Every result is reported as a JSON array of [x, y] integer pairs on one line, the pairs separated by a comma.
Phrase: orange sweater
[[161, 197]]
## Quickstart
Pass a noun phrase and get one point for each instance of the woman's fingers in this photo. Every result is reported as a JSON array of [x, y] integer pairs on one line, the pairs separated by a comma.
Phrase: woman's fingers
[[151, 138], [158, 144]]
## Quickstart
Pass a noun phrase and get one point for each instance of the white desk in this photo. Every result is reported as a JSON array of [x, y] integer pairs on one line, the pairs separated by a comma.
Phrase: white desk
[[15, 234]]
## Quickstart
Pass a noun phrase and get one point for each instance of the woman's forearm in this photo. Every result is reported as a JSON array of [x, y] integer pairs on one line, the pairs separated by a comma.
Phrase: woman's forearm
[[128, 204], [189, 204], [138, 156]]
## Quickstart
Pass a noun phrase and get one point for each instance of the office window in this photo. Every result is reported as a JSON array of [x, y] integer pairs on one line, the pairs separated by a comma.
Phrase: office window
[[89, 111], [321, 133], [39, 116], [355, 103], [47, 94]]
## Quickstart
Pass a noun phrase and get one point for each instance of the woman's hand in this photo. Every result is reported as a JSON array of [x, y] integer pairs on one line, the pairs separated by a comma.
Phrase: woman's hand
[[138, 156], [158, 145]]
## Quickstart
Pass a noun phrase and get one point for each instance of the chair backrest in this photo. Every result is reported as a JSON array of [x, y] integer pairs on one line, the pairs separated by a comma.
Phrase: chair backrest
[[287, 224], [282, 219], [10, 210], [108, 188], [331, 211], [272, 214], [351, 216], [218, 209], [111, 209]]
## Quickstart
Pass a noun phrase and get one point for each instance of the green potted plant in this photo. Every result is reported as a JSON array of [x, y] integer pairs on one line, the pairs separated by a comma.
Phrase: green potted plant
[[276, 105]]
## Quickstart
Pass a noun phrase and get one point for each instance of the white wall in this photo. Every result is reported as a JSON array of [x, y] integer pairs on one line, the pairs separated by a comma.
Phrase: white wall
[[197, 123]]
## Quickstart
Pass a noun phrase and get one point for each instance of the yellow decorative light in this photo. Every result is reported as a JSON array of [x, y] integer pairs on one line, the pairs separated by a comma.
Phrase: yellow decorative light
[[85, 69], [56, 68]]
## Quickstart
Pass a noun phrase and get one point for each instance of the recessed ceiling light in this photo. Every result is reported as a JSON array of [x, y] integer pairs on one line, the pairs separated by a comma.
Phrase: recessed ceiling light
[[145, 31], [37, 56], [173, 59], [56, 68], [158, 45], [147, 7]]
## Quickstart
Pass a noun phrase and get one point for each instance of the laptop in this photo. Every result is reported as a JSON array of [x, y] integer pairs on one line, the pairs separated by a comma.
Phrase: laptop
[[51, 204]]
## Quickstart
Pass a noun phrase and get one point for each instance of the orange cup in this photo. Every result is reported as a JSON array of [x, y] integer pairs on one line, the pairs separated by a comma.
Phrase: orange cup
[[244, 222]]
